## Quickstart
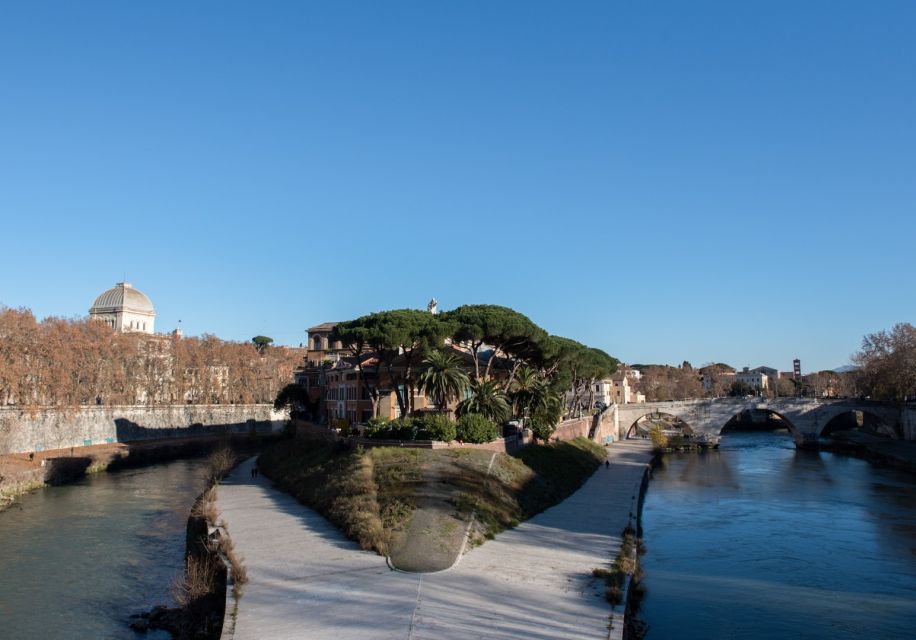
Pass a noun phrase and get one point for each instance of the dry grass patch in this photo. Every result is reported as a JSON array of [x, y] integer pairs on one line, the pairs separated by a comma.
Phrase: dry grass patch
[[372, 495], [339, 484], [195, 582]]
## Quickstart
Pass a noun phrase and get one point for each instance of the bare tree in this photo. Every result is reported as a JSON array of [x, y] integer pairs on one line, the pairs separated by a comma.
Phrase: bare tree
[[887, 364]]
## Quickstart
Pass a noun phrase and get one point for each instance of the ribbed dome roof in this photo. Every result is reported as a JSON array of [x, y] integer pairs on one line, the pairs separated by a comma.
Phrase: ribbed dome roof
[[122, 297]]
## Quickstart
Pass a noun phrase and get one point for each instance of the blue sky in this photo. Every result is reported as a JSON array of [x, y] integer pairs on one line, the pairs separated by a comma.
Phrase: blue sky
[[709, 181]]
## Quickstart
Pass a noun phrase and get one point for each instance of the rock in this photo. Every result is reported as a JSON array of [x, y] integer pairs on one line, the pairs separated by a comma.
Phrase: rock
[[141, 626], [159, 616]]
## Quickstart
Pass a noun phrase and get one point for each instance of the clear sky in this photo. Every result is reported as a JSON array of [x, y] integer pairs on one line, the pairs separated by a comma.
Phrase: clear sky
[[709, 181]]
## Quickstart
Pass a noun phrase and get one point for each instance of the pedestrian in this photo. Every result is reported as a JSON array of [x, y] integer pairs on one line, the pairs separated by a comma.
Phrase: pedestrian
[[607, 464], [253, 469]]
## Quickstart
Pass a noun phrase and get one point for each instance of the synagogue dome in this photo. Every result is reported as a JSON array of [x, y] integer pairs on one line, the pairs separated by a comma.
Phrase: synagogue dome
[[124, 308]]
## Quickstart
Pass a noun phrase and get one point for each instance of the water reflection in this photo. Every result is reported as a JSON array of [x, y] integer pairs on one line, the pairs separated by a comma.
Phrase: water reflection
[[77, 560], [760, 540]]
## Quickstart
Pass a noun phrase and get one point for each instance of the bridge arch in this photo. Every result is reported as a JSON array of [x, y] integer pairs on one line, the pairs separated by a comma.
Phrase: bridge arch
[[843, 418], [737, 422], [637, 431]]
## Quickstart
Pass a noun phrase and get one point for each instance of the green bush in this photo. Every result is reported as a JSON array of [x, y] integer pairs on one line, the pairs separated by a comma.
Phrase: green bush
[[385, 429], [542, 426], [375, 427], [404, 429], [473, 427], [435, 426]]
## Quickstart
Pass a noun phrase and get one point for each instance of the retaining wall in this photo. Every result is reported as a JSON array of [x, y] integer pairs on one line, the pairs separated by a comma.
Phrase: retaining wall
[[908, 423], [24, 431], [576, 428]]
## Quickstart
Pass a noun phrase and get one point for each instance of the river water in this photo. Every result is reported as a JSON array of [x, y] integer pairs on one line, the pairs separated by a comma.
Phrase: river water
[[758, 540], [77, 560]]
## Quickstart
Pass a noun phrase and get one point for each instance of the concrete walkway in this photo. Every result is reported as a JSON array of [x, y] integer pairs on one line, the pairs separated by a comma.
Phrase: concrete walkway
[[306, 581]]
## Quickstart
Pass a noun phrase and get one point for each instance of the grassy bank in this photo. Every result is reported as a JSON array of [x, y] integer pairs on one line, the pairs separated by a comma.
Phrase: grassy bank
[[375, 495]]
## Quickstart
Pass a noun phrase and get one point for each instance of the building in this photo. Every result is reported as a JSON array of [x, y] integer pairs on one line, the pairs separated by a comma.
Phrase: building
[[753, 378], [772, 375], [124, 309], [320, 345], [619, 390]]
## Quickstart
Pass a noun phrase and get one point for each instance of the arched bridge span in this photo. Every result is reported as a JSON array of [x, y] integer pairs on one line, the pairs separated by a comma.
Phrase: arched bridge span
[[805, 417]]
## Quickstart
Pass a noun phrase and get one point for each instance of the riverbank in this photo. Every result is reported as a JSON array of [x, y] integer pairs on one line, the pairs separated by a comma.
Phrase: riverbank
[[22, 473], [876, 449]]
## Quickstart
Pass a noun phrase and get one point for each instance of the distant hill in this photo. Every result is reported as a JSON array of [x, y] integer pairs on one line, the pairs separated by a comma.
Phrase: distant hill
[[845, 368]]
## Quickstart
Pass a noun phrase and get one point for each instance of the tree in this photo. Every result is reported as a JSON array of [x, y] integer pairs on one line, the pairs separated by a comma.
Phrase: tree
[[401, 339], [663, 382], [293, 396], [740, 389], [546, 416], [786, 387], [577, 367], [887, 364], [262, 342], [717, 378], [488, 400], [524, 389], [357, 335], [513, 336], [443, 379], [58, 362]]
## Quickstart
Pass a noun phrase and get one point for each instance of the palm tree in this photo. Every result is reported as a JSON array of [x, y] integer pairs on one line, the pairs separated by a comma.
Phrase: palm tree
[[523, 390], [443, 378], [488, 400]]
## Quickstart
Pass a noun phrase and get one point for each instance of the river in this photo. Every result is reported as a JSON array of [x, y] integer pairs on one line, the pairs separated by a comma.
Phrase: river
[[77, 560], [758, 540]]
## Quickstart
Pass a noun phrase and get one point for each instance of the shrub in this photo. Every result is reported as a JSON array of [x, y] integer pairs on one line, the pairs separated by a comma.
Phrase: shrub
[[385, 429], [473, 427], [659, 439], [195, 581], [542, 426], [435, 426], [377, 424], [220, 463]]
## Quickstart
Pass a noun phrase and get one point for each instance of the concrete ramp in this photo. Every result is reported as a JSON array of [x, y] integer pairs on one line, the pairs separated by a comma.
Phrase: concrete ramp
[[307, 581]]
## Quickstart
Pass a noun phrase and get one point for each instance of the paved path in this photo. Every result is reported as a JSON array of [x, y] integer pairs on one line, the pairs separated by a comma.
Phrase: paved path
[[306, 581]]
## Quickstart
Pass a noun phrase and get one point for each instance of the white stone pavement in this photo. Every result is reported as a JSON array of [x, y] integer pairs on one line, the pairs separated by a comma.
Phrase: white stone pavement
[[306, 581]]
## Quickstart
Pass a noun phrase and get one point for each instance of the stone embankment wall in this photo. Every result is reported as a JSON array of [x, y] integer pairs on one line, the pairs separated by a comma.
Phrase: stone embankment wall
[[24, 431], [909, 423]]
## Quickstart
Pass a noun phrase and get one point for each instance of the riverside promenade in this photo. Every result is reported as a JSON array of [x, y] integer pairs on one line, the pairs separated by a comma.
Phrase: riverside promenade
[[307, 581]]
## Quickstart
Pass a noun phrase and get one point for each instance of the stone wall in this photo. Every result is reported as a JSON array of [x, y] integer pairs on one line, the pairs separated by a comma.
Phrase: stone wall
[[908, 423], [570, 429], [23, 431]]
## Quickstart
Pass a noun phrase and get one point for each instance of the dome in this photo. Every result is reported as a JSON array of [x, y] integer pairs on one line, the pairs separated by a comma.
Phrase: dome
[[122, 297]]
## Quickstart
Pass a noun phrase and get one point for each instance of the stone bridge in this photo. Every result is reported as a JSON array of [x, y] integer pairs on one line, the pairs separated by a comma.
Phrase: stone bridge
[[805, 417]]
